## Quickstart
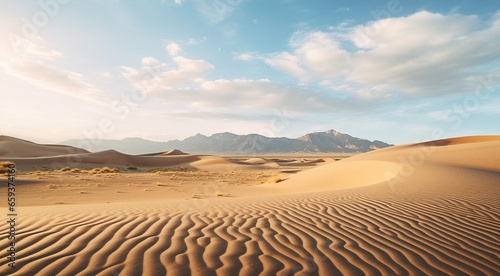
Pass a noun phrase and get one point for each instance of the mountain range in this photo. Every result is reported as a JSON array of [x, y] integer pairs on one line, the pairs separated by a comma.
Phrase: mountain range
[[330, 141]]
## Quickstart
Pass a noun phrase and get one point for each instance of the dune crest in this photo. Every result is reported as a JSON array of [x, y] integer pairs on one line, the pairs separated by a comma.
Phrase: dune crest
[[14, 147], [407, 163]]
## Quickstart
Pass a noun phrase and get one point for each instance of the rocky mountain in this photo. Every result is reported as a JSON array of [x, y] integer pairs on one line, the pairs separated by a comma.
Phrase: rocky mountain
[[328, 141], [334, 141]]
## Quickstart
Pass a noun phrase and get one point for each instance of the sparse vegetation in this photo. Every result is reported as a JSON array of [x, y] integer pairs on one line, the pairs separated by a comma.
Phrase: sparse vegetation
[[4, 166], [275, 179], [109, 170], [104, 170]]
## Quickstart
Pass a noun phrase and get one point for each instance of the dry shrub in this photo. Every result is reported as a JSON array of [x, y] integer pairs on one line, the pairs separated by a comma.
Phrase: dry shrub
[[104, 170], [275, 179], [70, 169], [109, 170], [95, 171], [4, 166]]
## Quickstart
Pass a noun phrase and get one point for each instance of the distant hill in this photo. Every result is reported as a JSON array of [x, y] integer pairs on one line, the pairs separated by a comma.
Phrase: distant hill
[[330, 141]]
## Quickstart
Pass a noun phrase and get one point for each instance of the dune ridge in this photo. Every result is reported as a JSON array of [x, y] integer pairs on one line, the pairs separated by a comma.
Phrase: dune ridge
[[14, 147], [410, 164]]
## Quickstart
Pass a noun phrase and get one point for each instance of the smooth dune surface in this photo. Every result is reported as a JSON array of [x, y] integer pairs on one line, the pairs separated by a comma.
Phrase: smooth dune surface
[[13, 147], [421, 209], [406, 163]]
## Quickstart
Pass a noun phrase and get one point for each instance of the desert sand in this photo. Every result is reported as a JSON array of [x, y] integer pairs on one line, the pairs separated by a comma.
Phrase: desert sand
[[420, 209]]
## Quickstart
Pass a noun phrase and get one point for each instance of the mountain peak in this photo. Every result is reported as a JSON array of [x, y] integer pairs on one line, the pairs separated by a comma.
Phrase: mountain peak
[[332, 132], [199, 135], [224, 135]]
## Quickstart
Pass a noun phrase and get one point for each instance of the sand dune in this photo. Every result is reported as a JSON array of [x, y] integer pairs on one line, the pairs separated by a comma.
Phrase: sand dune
[[256, 160], [388, 212], [407, 163], [170, 152], [13, 147], [31, 156], [99, 159]]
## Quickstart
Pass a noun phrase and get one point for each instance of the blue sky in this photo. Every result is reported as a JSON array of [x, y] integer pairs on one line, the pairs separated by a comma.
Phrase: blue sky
[[396, 71]]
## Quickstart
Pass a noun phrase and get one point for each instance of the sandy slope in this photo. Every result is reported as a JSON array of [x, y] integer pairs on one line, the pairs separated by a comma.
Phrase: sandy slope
[[13, 147], [401, 164], [388, 212]]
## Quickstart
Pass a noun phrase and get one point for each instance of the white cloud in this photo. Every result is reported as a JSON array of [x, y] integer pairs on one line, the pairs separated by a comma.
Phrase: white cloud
[[43, 75], [173, 48], [182, 73], [322, 55], [290, 64], [178, 2], [35, 46], [419, 55], [247, 95], [184, 82], [260, 94], [244, 56], [149, 61], [35, 62]]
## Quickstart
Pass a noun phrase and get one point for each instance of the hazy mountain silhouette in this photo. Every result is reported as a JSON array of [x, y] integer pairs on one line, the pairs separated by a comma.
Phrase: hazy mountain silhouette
[[328, 141]]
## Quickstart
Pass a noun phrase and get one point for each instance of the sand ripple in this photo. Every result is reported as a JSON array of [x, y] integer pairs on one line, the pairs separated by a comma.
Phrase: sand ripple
[[327, 234]]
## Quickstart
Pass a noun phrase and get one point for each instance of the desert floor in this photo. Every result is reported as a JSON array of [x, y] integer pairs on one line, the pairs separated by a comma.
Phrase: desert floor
[[421, 209]]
